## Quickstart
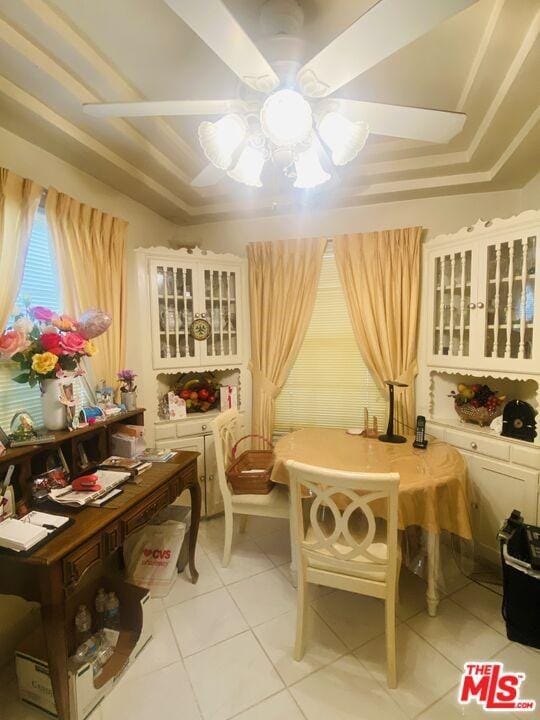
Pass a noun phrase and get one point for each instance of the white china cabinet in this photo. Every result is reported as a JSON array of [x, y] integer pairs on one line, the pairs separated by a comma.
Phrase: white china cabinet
[[176, 288], [481, 324], [483, 291]]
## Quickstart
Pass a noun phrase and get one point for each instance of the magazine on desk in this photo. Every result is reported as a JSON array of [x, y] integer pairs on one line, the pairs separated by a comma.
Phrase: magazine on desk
[[107, 480]]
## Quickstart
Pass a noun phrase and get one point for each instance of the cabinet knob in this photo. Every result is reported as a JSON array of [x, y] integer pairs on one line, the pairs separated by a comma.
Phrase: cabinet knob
[[203, 315], [210, 478], [474, 506], [471, 306], [204, 427], [474, 445], [197, 315], [480, 305]]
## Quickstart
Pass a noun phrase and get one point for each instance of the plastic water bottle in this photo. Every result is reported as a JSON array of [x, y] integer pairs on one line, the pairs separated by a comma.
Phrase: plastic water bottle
[[86, 651], [112, 612], [100, 604], [83, 624]]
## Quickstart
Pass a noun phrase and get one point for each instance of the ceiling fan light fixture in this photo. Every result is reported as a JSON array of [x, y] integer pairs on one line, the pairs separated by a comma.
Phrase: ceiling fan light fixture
[[344, 137], [249, 167], [286, 118], [221, 139], [309, 171]]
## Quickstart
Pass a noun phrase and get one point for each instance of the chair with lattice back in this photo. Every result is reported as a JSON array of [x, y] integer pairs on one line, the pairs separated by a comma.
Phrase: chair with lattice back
[[341, 543], [226, 430]]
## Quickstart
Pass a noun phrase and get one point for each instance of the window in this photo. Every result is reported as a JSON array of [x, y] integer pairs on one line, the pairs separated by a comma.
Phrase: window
[[40, 285], [329, 384]]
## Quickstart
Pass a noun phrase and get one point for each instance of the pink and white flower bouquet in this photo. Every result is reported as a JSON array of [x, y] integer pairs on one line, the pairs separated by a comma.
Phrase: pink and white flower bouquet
[[47, 345]]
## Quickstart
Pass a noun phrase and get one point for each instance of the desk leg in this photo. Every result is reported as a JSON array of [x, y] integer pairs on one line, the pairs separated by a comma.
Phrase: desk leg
[[433, 564], [195, 493], [53, 613]]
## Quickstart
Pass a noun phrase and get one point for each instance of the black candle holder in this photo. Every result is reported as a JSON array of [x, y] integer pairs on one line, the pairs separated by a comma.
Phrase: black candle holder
[[390, 437]]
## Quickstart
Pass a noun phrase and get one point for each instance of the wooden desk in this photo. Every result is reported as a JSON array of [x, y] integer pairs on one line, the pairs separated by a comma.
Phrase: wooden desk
[[55, 575]]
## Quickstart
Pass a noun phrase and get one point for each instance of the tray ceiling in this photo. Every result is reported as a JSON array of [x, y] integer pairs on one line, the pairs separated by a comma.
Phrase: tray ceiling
[[57, 54]]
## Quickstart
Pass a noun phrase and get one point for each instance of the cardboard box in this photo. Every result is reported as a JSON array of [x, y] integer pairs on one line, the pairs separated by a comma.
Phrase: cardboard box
[[85, 691]]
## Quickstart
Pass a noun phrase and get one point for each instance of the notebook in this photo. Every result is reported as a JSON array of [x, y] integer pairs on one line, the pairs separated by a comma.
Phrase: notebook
[[19, 535]]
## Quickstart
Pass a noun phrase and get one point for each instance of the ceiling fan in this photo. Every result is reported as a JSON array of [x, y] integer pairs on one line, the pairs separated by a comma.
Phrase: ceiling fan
[[287, 113]]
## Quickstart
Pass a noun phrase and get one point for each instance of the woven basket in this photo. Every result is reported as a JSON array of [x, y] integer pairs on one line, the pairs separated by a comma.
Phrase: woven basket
[[249, 473], [481, 415]]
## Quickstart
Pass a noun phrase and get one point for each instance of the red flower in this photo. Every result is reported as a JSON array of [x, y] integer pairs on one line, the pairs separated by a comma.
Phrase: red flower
[[72, 343], [50, 342]]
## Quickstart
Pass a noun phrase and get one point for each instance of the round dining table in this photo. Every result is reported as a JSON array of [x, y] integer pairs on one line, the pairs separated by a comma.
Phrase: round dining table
[[432, 487]]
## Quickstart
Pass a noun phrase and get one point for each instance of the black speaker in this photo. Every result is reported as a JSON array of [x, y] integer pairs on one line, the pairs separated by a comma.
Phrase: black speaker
[[519, 421]]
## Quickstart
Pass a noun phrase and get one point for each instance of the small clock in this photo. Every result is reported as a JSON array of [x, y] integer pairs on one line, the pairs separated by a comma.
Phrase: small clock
[[200, 329]]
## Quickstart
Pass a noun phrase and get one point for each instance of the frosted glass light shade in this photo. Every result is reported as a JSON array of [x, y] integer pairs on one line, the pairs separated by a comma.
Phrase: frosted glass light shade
[[286, 118], [344, 137], [249, 167], [309, 171], [221, 139]]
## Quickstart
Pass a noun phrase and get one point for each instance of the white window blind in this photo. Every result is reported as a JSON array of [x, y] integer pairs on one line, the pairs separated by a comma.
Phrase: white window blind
[[40, 286], [329, 385]]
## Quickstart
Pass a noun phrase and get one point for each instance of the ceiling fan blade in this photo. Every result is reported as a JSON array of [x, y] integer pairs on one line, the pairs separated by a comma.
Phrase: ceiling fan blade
[[400, 121], [388, 26], [214, 23], [152, 108], [209, 176]]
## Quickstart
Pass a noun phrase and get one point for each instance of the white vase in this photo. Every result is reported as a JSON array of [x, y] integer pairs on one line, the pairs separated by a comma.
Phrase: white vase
[[54, 412], [129, 399]]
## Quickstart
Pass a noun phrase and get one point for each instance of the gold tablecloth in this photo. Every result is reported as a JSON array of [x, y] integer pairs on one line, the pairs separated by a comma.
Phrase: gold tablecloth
[[433, 482]]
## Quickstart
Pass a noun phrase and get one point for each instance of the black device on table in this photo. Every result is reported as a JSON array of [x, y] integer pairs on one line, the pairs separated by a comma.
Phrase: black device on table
[[420, 433]]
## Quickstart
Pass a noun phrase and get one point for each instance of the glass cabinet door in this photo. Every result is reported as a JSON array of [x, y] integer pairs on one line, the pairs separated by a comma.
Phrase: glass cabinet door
[[174, 312], [451, 329], [510, 298], [221, 297]]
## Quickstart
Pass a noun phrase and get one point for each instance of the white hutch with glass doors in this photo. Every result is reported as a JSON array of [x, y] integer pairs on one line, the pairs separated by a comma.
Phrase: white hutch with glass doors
[[175, 289], [480, 323]]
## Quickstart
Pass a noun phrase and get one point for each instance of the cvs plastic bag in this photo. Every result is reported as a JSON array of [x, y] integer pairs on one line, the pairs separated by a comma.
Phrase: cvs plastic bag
[[151, 555]]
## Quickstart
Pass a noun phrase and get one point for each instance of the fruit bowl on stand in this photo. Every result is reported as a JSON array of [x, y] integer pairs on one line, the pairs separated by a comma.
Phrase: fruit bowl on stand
[[200, 391], [477, 403]]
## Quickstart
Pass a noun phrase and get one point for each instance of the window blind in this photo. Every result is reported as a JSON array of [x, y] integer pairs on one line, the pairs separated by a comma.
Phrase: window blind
[[40, 286], [329, 384]]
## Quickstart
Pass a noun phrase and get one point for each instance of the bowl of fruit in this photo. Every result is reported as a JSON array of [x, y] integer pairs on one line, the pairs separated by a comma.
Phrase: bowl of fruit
[[478, 403], [201, 392]]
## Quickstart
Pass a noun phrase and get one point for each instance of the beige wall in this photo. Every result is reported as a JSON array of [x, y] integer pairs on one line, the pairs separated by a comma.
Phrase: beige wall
[[437, 215], [145, 228]]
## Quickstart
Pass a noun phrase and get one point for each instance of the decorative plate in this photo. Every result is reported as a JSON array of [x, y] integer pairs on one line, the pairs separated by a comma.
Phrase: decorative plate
[[200, 329]]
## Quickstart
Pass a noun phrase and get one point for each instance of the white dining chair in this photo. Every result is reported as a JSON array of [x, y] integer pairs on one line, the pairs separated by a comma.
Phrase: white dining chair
[[348, 549], [226, 430]]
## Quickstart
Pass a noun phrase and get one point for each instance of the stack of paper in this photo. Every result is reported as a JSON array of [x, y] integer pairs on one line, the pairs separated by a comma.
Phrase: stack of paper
[[106, 479], [19, 535], [156, 455]]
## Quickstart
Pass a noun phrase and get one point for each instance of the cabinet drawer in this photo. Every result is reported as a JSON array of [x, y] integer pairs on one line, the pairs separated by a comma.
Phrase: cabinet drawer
[[185, 477], [82, 559], [145, 511], [112, 538], [530, 457], [195, 426], [163, 432], [435, 430], [478, 444]]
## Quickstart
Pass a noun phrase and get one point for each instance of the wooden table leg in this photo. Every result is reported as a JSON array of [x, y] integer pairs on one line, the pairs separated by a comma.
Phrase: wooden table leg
[[54, 625], [433, 566], [195, 493]]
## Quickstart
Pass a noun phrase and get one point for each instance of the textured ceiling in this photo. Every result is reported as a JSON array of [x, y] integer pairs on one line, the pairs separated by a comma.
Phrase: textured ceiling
[[57, 54]]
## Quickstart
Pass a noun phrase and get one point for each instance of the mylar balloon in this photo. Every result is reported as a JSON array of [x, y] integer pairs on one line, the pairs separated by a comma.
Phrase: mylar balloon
[[92, 323]]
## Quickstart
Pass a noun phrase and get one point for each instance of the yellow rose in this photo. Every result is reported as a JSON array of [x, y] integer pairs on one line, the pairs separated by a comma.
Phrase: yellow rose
[[90, 348], [44, 363]]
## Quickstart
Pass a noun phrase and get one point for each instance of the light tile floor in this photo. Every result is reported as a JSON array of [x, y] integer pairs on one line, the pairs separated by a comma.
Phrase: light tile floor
[[222, 649]]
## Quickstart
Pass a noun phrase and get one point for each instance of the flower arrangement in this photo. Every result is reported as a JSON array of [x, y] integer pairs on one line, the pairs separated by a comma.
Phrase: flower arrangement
[[127, 378], [47, 345]]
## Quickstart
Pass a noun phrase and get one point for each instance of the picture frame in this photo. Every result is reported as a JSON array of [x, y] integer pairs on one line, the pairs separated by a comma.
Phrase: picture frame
[[4, 441]]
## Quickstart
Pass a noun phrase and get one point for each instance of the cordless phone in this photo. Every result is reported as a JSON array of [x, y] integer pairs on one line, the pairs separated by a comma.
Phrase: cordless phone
[[420, 434]]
